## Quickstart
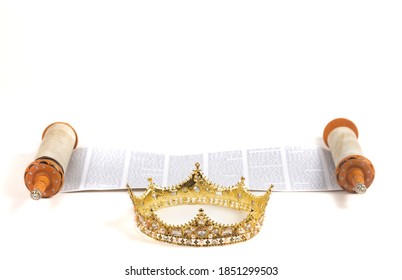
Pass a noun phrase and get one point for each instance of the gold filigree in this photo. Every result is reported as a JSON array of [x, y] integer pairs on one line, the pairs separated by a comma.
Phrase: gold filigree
[[200, 231]]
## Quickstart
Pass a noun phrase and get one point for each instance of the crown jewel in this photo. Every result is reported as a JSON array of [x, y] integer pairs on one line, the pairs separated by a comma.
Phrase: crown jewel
[[200, 231]]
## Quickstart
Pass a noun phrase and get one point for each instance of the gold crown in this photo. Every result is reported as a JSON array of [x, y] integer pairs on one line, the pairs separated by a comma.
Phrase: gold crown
[[200, 231]]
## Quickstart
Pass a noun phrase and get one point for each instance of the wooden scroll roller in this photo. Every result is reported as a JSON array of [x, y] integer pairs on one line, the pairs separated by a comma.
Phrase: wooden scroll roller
[[354, 172], [44, 177]]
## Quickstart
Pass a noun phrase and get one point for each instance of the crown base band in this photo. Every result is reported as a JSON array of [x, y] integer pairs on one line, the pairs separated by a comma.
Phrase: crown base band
[[199, 242]]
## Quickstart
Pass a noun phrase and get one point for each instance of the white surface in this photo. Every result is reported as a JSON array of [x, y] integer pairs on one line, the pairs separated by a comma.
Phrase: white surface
[[184, 76]]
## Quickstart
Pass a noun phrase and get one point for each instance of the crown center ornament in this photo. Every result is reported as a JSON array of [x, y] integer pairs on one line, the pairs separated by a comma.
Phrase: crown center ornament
[[201, 230]]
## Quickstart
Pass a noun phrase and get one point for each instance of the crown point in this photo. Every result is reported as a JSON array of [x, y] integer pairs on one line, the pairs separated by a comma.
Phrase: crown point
[[150, 181], [242, 183], [201, 210], [197, 165]]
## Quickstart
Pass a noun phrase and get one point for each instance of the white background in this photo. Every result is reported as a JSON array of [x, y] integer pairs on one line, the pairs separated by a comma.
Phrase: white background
[[193, 76]]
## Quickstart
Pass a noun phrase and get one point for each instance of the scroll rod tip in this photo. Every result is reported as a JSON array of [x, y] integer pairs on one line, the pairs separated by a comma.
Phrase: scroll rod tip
[[36, 194], [360, 188]]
